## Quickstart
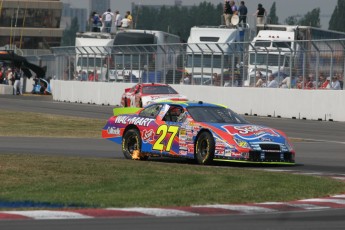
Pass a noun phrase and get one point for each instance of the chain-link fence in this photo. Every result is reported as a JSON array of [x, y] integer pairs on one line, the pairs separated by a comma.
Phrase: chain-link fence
[[304, 64]]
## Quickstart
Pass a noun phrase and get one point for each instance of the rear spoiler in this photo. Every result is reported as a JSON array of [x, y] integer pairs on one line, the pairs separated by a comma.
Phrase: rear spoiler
[[125, 110]]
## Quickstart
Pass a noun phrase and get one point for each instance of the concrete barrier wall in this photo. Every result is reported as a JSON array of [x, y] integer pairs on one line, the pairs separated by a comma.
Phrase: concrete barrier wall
[[299, 104], [6, 89]]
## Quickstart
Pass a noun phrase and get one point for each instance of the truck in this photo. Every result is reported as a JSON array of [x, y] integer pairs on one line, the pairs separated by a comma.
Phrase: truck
[[285, 50], [214, 49], [144, 55], [93, 53]]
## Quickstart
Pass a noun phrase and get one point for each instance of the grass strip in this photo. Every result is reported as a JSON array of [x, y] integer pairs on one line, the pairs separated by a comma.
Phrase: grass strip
[[126, 183], [48, 125]]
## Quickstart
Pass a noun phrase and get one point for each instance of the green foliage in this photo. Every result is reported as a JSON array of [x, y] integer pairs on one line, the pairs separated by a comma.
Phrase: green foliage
[[291, 20], [312, 18], [178, 19], [337, 20], [272, 15], [69, 34]]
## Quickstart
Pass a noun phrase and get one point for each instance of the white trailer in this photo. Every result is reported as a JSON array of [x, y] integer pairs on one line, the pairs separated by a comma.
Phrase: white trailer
[[212, 49], [280, 49], [137, 51], [93, 53]]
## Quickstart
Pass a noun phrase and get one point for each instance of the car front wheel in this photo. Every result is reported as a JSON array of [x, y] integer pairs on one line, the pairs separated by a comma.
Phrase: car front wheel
[[204, 148]]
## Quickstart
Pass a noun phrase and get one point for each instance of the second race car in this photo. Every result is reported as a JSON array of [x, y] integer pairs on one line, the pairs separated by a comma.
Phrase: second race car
[[142, 94], [195, 130]]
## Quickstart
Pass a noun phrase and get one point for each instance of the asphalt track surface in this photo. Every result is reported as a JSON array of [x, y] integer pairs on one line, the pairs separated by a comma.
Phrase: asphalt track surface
[[320, 149]]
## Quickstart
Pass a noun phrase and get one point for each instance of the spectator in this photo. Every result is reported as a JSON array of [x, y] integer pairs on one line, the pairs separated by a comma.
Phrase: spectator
[[17, 82], [288, 82], [300, 82], [310, 82], [216, 79], [108, 20], [340, 79], [233, 7], [335, 84], [118, 19], [242, 9], [2, 75], [325, 84], [227, 13], [186, 79], [260, 81], [125, 22], [9, 76], [83, 76], [272, 82], [130, 19], [321, 81], [260, 14], [93, 76], [96, 23]]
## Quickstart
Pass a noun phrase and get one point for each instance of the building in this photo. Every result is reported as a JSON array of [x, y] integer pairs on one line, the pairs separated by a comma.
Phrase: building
[[30, 24], [69, 13]]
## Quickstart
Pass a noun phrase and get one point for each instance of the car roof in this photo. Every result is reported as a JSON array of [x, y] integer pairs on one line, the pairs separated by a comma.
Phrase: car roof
[[153, 84], [192, 103]]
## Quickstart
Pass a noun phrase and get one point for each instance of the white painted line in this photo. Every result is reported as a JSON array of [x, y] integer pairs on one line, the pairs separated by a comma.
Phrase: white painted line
[[336, 201], [339, 196], [308, 206], [46, 214], [272, 203], [338, 178], [241, 208], [157, 211]]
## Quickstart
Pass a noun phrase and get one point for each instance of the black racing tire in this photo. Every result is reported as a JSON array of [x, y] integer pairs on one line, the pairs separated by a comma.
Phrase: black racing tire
[[204, 148], [131, 141], [140, 103], [125, 104]]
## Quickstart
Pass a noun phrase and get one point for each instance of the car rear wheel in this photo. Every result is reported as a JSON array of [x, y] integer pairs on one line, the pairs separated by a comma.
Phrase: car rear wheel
[[131, 141], [204, 148]]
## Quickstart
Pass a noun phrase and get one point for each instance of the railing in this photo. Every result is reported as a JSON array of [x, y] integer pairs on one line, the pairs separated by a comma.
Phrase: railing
[[308, 65]]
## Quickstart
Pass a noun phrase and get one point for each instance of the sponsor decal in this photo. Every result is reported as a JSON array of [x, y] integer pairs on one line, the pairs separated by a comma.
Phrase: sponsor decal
[[183, 152], [126, 120], [264, 139], [113, 130], [250, 132], [191, 148], [148, 135]]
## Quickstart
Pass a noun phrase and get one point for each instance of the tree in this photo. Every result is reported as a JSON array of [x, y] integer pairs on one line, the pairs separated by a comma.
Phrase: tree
[[69, 34], [291, 20], [337, 20], [312, 18], [272, 15]]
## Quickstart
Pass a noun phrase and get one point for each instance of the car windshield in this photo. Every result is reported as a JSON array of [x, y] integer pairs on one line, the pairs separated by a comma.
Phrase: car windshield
[[214, 114], [158, 90]]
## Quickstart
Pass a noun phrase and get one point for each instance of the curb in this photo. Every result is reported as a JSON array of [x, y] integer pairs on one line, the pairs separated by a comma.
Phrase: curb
[[332, 202]]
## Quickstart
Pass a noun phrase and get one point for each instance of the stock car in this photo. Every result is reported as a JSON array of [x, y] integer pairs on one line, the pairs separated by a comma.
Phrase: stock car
[[142, 94], [201, 131]]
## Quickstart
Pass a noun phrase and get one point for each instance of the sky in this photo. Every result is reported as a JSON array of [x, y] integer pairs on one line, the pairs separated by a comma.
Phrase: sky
[[285, 8]]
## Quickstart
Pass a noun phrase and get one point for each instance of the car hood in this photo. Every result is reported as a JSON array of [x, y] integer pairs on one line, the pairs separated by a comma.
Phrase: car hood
[[249, 133]]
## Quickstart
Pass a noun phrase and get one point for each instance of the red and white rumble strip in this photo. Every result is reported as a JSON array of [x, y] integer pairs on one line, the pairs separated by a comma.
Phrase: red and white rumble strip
[[337, 201]]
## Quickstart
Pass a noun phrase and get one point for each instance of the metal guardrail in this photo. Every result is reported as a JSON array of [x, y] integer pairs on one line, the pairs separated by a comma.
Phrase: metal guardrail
[[235, 65]]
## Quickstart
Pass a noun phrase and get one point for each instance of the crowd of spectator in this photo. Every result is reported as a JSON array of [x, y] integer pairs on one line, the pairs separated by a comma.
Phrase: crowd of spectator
[[109, 21], [12, 76]]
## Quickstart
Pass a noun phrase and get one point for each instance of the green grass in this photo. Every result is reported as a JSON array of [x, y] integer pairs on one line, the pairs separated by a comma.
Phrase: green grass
[[98, 182], [48, 125], [125, 183]]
